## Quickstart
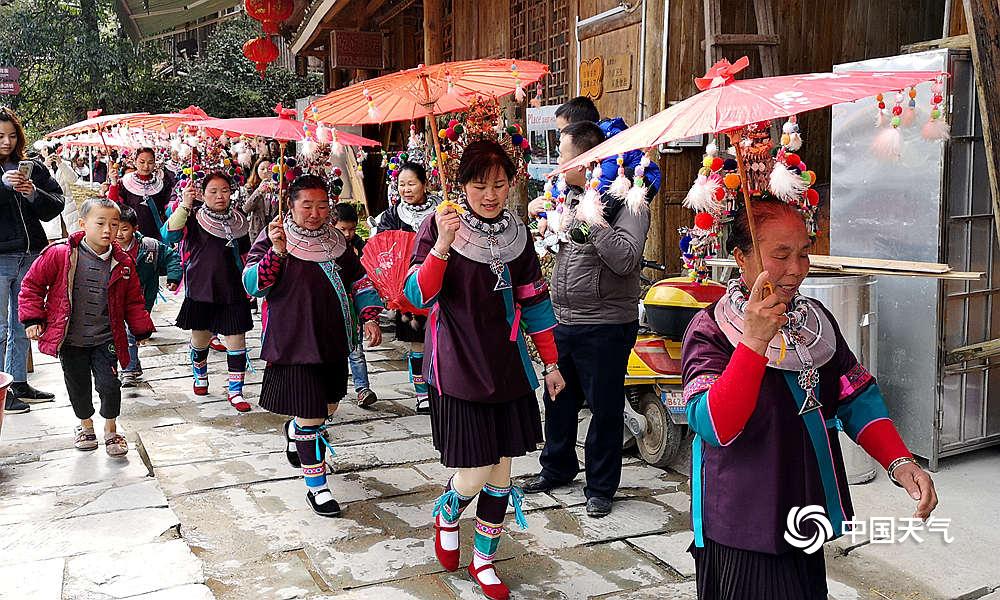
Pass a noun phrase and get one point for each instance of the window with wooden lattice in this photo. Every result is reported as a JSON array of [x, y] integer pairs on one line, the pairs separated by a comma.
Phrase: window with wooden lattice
[[539, 30]]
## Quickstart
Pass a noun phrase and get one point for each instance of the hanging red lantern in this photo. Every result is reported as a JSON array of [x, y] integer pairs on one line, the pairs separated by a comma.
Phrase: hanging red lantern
[[261, 52], [270, 13]]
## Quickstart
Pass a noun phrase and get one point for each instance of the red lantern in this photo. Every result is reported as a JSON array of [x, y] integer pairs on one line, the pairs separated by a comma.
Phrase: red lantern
[[270, 13], [261, 52]]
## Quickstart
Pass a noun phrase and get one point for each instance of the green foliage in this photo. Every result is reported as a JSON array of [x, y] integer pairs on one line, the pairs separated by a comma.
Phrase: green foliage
[[225, 84], [75, 58], [72, 59]]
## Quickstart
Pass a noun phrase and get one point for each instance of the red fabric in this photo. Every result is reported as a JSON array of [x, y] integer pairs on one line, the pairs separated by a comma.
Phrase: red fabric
[[881, 440], [44, 298], [733, 397], [430, 277], [545, 341], [113, 193]]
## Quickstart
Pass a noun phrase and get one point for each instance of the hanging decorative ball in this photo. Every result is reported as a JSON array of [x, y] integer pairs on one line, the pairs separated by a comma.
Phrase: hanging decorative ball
[[720, 194], [452, 135], [442, 133], [705, 162], [261, 52], [525, 144], [452, 123], [729, 164], [704, 220], [792, 160], [516, 139], [812, 196], [732, 181], [459, 128], [716, 163]]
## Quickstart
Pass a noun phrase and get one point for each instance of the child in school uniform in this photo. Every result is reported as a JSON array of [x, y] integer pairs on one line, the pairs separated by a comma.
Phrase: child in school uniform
[[76, 301]]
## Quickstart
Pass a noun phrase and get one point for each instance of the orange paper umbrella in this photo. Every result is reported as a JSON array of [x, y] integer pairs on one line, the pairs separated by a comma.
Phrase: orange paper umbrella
[[425, 91], [95, 122], [166, 122]]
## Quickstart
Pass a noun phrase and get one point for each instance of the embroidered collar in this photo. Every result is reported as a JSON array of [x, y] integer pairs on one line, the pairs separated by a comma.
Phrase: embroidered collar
[[808, 341], [228, 225], [320, 245], [150, 187], [414, 214], [494, 243]]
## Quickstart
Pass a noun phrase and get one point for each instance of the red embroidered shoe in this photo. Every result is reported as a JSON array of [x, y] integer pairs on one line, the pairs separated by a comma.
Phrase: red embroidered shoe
[[447, 558], [216, 344], [239, 403], [201, 390], [494, 591]]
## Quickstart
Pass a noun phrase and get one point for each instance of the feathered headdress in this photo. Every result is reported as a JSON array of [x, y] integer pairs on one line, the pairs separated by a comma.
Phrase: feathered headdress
[[716, 194]]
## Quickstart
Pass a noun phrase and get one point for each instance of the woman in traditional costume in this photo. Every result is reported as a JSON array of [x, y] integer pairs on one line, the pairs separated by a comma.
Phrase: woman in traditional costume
[[215, 242], [146, 191], [481, 279], [315, 293], [769, 381], [413, 207], [261, 204]]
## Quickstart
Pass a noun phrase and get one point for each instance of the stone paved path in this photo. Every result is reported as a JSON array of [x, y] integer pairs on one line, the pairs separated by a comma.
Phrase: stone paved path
[[206, 506]]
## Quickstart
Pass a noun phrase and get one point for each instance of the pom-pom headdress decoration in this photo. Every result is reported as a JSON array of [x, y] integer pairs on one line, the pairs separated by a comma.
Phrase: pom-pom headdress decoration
[[483, 120], [416, 152], [717, 191]]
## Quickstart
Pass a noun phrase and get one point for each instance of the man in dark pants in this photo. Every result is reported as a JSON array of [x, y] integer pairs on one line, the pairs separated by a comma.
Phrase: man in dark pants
[[595, 293]]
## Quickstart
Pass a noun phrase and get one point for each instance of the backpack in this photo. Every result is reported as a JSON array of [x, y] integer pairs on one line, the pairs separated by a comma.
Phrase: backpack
[[152, 247]]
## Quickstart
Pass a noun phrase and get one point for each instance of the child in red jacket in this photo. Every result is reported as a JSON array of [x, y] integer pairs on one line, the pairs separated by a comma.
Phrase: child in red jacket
[[75, 300]]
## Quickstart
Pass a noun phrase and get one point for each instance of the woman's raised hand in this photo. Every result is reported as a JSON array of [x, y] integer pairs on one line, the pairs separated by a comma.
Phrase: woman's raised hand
[[764, 316], [447, 223], [276, 233], [189, 195]]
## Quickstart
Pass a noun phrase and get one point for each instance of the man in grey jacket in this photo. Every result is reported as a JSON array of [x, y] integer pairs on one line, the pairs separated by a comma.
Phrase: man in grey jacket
[[595, 292]]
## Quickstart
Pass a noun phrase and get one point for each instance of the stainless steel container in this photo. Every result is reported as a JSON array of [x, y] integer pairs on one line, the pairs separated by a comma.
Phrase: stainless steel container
[[852, 300]]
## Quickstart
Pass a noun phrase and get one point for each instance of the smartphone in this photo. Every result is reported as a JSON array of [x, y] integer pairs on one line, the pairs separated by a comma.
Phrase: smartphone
[[25, 167]]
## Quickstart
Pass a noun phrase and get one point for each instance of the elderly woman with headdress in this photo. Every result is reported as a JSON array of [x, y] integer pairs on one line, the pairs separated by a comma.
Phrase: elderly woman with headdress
[[215, 240], [314, 295], [769, 381], [413, 207], [481, 279]]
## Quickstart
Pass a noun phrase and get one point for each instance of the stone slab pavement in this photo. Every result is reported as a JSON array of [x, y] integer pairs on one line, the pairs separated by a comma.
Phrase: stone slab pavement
[[206, 506]]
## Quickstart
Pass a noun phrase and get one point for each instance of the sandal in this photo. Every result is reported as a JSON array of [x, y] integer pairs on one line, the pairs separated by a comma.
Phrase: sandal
[[86, 439], [115, 444]]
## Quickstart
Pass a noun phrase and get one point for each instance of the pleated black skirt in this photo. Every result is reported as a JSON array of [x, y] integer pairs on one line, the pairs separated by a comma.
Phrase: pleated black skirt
[[303, 390], [223, 319], [726, 573], [410, 328], [475, 434]]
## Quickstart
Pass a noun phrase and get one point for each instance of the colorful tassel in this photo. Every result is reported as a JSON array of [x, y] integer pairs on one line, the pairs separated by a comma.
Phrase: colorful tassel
[[635, 200], [620, 186], [785, 184], [701, 196], [591, 209], [936, 128], [888, 144]]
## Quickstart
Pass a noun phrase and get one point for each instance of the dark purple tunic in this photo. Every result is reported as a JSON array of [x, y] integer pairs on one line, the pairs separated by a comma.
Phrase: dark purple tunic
[[144, 217], [750, 485], [304, 322], [469, 329], [212, 271]]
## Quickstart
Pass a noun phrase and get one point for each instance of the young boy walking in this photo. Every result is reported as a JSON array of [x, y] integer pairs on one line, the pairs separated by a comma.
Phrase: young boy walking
[[152, 259], [75, 301], [347, 222]]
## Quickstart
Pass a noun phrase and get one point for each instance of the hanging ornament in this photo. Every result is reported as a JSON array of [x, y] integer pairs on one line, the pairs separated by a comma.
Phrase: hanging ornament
[[936, 127], [372, 111], [591, 209], [270, 13], [910, 112], [620, 186], [635, 200], [519, 94], [261, 52], [536, 102], [888, 144], [790, 136]]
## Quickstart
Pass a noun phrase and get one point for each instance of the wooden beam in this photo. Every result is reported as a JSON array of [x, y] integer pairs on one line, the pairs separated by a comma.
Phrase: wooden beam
[[984, 30], [955, 41], [433, 41], [613, 23], [973, 352], [746, 39]]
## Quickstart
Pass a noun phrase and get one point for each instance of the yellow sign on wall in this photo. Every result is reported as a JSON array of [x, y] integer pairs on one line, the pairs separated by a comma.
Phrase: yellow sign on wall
[[592, 78]]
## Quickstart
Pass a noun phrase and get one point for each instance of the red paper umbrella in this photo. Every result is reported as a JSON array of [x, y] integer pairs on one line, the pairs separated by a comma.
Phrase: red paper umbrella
[[387, 261]]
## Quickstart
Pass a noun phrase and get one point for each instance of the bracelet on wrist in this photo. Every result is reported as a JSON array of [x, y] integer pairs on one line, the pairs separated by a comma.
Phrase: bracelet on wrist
[[891, 471], [550, 369], [437, 254]]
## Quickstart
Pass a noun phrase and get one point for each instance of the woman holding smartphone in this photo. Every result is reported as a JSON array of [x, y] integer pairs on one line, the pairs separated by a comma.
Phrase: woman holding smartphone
[[28, 196]]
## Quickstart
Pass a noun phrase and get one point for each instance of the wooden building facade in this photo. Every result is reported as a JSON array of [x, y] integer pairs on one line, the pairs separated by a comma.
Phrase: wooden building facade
[[634, 57]]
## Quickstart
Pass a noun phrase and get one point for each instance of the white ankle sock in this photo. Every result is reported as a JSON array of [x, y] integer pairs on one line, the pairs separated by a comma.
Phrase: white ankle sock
[[487, 576], [291, 434], [449, 539]]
